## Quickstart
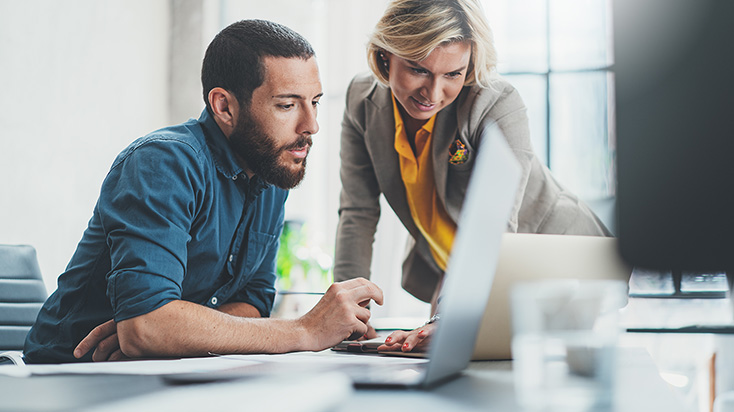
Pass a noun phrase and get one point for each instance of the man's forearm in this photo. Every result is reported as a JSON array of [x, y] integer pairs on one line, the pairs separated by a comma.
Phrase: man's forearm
[[182, 328], [241, 309]]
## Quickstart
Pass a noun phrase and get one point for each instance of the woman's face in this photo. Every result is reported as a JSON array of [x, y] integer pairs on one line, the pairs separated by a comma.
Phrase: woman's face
[[425, 87]]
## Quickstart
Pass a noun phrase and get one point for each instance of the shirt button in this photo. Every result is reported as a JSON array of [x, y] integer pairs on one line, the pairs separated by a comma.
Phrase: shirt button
[[231, 258], [234, 177], [214, 300]]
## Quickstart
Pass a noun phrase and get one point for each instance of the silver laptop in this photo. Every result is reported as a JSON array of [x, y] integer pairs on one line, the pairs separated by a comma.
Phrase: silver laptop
[[528, 257], [489, 199], [469, 275]]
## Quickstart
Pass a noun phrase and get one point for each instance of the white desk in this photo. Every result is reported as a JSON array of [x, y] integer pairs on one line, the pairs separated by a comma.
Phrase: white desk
[[485, 386], [488, 386]]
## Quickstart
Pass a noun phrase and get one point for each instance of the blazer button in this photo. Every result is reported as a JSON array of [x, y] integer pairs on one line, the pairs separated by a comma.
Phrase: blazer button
[[214, 300]]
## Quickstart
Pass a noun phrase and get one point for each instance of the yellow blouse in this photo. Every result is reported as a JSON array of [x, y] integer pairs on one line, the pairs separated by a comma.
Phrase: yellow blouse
[[416, 170]]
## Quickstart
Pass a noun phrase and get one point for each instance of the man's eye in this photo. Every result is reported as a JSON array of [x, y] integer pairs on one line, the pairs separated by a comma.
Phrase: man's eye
[[285, 106], [315, 103]]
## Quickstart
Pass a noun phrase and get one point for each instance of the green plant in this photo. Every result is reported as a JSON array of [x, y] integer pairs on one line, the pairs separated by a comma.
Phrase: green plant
[[295, 252]]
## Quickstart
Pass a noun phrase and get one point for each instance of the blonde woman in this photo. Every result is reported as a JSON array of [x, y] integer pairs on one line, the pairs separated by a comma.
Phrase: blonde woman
[[410, 131]]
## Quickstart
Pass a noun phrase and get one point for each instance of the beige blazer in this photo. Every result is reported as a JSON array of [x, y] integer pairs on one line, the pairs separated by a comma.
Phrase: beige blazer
[[370, 167]]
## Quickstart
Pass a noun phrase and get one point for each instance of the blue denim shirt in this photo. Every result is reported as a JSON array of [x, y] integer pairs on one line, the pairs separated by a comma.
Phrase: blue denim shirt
[[177, 219]]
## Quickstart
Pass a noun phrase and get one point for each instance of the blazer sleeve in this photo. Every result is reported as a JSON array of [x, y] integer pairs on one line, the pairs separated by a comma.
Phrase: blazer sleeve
[[359, 208]]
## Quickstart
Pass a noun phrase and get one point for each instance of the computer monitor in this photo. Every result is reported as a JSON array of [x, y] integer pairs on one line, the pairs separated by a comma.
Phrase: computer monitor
[[674, 80]]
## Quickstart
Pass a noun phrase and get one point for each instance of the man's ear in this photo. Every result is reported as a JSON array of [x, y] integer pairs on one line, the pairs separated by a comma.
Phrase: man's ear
[[225, 109]]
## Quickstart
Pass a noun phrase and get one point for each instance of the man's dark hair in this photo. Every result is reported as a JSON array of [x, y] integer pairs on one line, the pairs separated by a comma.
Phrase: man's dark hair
[[233, 60]]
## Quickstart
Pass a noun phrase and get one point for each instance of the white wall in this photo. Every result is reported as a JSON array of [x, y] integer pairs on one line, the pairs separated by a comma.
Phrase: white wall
[[83, 78], [80, 80]]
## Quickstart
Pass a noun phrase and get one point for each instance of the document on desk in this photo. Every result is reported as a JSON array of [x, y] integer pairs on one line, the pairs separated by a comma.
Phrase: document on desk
[[326, 357], [200, 365], [133, 367]]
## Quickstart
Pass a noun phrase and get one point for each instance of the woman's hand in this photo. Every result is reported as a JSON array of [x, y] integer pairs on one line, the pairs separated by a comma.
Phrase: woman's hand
[[415, 340]]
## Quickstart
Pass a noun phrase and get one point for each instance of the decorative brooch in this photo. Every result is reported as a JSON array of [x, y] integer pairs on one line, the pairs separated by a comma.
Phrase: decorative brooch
[[458, 154]]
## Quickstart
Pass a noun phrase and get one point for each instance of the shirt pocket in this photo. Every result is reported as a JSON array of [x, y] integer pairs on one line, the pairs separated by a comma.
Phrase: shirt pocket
[[258, 245]]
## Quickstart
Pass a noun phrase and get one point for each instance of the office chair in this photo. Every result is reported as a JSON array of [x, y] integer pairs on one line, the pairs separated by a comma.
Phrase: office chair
[[22, 292]]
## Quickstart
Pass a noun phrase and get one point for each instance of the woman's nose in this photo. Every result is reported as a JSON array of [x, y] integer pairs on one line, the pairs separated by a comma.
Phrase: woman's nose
[[432, 91]]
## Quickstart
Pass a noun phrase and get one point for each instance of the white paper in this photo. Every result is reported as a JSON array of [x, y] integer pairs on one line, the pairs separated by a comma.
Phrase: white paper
[[327, 357], [134, 367]]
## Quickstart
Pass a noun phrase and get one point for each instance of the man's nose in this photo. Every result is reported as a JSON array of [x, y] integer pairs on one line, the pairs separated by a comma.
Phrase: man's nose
[[308, 125]]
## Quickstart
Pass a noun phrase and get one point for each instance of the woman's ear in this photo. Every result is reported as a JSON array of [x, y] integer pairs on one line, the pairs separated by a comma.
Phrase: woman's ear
[[385, 62], [224, 107]]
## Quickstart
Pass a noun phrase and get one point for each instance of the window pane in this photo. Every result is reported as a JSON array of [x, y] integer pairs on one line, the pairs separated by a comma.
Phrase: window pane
[[520, 32], [579, 34], [532, 88], [582, 154]]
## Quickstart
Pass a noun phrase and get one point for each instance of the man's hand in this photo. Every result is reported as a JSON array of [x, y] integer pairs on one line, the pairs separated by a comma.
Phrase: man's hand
[[371, 333], [341, 314], [103, 339]]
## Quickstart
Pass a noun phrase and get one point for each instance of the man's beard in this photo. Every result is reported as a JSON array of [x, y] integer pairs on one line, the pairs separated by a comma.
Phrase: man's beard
[[262, 156]]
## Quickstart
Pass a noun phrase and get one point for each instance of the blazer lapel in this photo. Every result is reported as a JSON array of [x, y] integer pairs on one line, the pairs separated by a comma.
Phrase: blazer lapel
[[444, 133], [380, 140]]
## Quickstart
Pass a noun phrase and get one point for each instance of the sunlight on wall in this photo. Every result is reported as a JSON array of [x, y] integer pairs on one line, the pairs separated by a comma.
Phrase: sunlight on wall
[[77, 88]]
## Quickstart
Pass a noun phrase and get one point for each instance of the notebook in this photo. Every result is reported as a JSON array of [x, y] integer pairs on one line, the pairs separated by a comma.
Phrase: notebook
[[468, 280], [528, 257]]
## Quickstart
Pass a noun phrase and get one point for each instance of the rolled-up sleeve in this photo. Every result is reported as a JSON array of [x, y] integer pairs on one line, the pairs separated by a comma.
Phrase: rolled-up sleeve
[[147, 206]]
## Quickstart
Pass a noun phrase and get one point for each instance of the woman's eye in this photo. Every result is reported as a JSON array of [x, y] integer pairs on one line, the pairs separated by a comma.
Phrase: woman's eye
[[418, 71], [453, 75]]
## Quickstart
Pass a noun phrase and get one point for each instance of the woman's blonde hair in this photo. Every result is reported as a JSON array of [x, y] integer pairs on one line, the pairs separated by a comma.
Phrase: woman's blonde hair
[[412, 29]]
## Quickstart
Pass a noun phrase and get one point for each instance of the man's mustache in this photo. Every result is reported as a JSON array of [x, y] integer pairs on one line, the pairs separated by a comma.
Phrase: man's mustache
[[301, 142]]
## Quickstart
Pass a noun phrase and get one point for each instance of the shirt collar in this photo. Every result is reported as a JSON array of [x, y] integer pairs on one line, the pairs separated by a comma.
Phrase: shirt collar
[[224, 157], [402, 145], [427, 126]]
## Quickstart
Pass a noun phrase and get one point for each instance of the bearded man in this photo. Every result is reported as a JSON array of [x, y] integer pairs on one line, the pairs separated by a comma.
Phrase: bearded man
[[179, 256]]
